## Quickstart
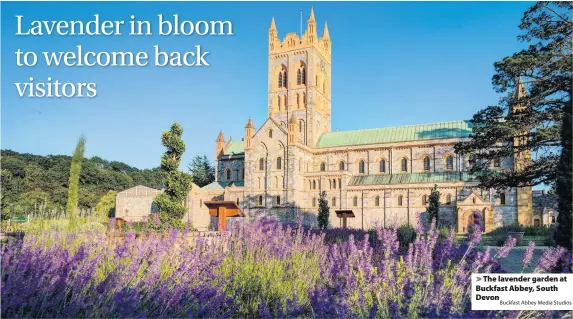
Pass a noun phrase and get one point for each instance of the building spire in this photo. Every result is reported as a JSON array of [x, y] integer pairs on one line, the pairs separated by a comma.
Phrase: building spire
[[325, 34], [311, 15], [273, 25], [249, 123], [220, 138], [519, 89]]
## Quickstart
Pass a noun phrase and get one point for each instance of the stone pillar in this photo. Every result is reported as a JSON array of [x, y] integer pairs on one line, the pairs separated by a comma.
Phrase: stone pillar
[[524, 206]]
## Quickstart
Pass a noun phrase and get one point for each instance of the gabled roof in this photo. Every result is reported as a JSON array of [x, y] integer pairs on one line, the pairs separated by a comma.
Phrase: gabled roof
[[456, 129], [384, 179], [222, 185], [235, 148]]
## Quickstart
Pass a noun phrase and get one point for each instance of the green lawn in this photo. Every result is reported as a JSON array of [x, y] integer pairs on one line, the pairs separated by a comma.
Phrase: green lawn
[[512, 263]]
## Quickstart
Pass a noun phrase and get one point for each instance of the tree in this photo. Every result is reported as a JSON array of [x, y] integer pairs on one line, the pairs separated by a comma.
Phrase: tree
[[6, 177], [24, 173], [177, 183], [536, 109], [105, 208], [434, 205], [74, 184], [323, 211], [202, 171]]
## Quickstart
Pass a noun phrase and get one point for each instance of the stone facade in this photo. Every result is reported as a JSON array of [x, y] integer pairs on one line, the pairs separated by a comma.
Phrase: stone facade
[[281, 168], [384, 175]]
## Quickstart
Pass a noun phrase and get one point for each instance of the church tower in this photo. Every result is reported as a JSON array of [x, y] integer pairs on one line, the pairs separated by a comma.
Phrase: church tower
[[299, 80], [521, 159]]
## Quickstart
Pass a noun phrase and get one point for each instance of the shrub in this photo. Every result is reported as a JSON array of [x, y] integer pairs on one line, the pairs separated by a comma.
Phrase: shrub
[[256, 269]]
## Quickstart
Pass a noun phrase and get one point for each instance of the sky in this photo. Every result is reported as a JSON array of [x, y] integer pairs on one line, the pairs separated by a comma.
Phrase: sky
[[393, 63]]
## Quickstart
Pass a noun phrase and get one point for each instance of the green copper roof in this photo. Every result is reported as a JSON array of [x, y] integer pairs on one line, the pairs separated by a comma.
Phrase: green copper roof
[[455, 129], [383, 179], [221, 185], [235, 148]]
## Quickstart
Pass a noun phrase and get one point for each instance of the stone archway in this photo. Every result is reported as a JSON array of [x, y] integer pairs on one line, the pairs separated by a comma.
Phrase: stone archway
[[474, 220]]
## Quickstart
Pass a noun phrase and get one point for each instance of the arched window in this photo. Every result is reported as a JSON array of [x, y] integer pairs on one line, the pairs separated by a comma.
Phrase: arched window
[[280, 79], [339, 183], [228, 174], [278, 200], [303, 77], [424, 200], [313, 184], [284, 79], [260, 201], [314, 202], [298, 77], [330, 183], [279, 162], [261, 164], [322, 167], [427, 163], [361, 168], [496, 162], [333, 201], [270, 133], [382, 166], [502, 199], [341, 165], [450, 162], [448, 199], [334, 183], [355, 201], [377, 201], [400, 200], [404, 164]]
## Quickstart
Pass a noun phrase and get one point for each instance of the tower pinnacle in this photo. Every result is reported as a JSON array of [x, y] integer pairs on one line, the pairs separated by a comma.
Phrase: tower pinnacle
[[273, 25], [325, 34], [311, 15], [220, 137]]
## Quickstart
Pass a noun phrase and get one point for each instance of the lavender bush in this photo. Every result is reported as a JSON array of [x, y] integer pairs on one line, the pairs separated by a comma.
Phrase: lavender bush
[[257, 269]]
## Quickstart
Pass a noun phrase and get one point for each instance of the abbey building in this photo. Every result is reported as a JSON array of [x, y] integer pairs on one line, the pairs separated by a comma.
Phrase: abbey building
[[384, 175]]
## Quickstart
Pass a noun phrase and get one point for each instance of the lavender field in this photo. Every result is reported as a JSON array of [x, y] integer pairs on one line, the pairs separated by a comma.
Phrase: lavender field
[[259, 269]]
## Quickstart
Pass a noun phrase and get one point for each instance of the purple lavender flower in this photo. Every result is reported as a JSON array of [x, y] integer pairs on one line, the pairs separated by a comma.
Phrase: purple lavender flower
[[507, 247], [528, 256]]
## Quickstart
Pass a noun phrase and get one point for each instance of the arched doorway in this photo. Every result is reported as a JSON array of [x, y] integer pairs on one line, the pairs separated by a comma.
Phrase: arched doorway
[[475, 221]]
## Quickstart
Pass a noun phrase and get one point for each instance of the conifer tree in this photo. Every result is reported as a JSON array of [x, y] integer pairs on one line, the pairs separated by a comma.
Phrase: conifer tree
[[539, 81], [74, 183], [434, 205], [177, 183], [323, 211], [203, 172]]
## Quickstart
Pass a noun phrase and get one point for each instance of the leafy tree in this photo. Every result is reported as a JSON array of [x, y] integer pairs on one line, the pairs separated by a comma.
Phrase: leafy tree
[[177, 183], [73, 188], [6, 178], [323, 211], [536, 109], [51, 174], [434, 204], [106, 205], [203, 172]]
